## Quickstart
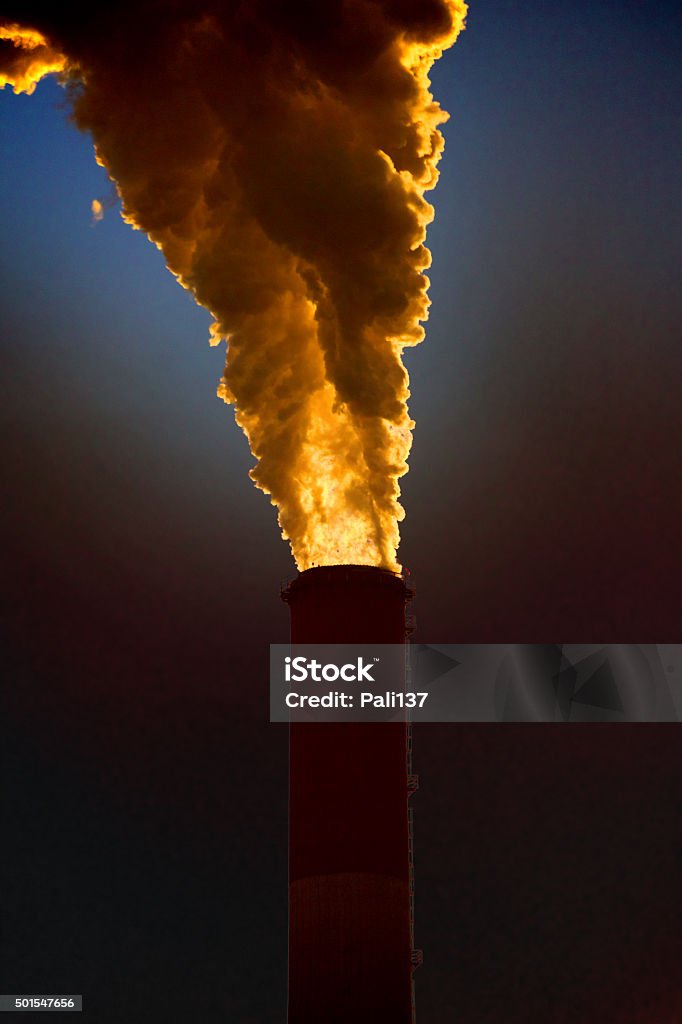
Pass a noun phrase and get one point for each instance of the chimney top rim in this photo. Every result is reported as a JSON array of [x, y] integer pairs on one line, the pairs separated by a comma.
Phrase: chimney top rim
[[320, 576]]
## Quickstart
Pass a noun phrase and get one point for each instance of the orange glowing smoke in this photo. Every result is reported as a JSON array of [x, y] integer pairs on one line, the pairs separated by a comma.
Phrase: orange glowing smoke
[[30, 58], [278, 154]]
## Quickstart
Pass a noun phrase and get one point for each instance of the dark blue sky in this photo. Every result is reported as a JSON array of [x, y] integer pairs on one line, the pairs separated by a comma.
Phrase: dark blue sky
[[543, 503]]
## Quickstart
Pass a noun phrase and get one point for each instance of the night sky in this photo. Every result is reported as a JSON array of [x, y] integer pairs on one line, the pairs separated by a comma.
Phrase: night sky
[[144, 856]]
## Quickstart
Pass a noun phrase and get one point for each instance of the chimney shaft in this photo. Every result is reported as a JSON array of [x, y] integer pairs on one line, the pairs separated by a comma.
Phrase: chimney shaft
[[349, 863]]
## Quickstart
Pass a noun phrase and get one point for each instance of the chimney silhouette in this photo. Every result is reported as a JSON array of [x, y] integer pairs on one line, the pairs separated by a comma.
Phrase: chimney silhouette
[[350, 886]]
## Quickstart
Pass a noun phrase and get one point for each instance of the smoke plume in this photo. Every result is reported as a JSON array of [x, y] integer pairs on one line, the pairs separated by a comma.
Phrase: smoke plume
[[278, 154]]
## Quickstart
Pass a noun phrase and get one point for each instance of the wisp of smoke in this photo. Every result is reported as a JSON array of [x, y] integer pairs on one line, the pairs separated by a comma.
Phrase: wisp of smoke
[[278, 154]]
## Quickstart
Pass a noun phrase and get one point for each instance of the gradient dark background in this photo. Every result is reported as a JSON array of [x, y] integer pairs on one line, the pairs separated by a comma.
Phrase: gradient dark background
[[144, 792]]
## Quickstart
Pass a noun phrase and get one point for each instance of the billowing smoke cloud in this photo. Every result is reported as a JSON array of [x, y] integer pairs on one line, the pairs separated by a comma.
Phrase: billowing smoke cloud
[[278, 154]]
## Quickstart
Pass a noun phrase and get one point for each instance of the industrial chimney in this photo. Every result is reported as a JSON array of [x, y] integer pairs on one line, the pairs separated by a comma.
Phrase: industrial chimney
[[350, 912]]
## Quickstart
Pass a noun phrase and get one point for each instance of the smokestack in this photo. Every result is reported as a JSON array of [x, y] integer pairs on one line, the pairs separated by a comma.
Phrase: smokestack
[[350, 913]]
